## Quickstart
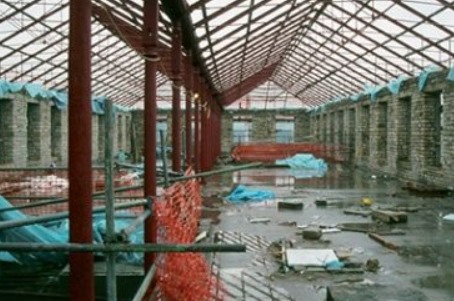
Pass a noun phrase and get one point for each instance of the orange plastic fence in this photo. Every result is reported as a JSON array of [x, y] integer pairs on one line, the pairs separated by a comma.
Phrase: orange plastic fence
[[182, 276], [269, 152]]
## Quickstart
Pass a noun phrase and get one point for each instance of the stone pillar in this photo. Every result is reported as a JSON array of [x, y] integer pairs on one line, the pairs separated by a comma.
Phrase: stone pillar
[[227, 132], [13, 132], [127, 134], [392, 136], [59, 136], [137, 134], [263, 127], [119, 132], [372, 160], [303, 128], [38, 133], [339, 134], [350, 132], [95, 138], [101, 130]]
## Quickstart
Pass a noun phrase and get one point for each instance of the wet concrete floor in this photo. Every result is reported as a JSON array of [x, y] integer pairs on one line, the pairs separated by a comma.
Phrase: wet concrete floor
[[421, 269]]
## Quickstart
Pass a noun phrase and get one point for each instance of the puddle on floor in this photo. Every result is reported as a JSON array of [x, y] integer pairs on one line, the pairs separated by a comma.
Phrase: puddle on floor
[[416, 272]]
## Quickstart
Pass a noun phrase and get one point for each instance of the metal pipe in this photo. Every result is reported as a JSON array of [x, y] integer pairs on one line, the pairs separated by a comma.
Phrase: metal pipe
[[145, 285], [188, 109], [215, 172], [80, 148], [125, 232], [204, 154], [65, 199], [40, 168], [109, 123], [62, 215], [121, 247], [164, 158], [176, 96], [150, 43], [127, 188], [197, 128]]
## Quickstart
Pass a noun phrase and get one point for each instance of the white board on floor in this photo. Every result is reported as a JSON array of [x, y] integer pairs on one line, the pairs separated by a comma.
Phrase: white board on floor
[[309, 257]]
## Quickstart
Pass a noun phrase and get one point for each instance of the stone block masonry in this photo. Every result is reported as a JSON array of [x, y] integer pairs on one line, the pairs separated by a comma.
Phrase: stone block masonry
[[409, 135], [35, 133], [263, 125]]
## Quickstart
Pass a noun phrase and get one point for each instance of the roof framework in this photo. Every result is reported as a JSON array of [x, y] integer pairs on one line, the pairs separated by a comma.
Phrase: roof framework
[[308, 50]]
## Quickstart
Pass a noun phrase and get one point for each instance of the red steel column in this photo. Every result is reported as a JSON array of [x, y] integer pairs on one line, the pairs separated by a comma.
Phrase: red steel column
[[219, 131], [203, 126], [150, 41], [197, 126], [188, 108], [176, 97], [79, 149]]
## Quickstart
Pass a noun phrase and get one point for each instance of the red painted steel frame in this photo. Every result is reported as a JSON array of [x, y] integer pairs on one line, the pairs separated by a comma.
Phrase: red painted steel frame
[[79, 154], [197, 125], [176, 97], [150, 39], [188, 112]]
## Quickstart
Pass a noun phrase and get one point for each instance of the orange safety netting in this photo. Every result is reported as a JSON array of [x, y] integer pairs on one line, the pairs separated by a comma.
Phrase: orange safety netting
[[269, 152], [182, 276]]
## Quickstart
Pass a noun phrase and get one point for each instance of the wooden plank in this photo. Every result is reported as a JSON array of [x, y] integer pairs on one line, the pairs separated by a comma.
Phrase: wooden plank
[[390, 217]]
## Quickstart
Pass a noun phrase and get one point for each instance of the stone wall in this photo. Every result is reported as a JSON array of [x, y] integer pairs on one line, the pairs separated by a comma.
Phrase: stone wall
[[263, 125], [409, 135], [35, 133]]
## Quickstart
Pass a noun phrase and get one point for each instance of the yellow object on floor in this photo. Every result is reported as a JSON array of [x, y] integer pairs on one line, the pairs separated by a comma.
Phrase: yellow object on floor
[[367, 201]]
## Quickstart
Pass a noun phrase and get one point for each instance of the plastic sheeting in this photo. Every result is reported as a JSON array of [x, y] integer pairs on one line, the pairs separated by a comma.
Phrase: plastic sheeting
[[304, 161], [451, 74], [373, 91], [305, 166], [32, 234], [242, 193], [395, 84], [58, 232], [424, 76], [59, 98]]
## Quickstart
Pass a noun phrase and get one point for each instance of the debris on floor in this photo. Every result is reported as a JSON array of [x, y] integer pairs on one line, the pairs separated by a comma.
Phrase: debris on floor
[[291, 204], [384, 242], [363, 213], [449, 217], [256, 220], [325, 202], [390, 216], [309, 257], [312, 233]]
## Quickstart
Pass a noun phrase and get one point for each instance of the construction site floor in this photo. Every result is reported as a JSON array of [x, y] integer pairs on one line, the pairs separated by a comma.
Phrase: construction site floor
[[420, 268]]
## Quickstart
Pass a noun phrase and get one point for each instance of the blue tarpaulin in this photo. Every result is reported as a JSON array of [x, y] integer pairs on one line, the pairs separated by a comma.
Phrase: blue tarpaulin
[[451, 74], [395, 84], [304, 161], [305, 166], [242, 193], [424, 76], [32, 234], [59, 98], [58, 232], [373, 91]]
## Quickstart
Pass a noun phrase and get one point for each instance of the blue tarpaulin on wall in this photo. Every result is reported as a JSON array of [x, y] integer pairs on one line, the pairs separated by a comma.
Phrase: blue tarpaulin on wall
[[395, 84], [424, 76], [59, 98], [451, 74]]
